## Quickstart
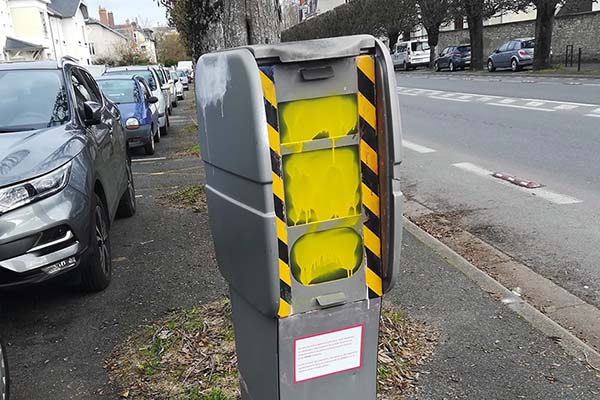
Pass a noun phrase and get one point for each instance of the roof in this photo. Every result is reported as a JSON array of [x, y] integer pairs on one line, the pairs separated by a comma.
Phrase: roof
[[65, 8], [29, 65], [113, 77], [93, 21], [129, 68], [21, 45]]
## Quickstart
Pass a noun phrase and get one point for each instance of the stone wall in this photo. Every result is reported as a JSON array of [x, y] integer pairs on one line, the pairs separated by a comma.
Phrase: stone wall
[[580, 30]]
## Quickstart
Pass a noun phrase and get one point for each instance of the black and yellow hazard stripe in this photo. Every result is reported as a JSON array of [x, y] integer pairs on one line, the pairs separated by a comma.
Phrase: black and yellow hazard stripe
[[370, 172], [270, 100]]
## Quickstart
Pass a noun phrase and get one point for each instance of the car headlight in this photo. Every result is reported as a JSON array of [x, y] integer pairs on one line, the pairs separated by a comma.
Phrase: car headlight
[[132, 123], [18, 195]]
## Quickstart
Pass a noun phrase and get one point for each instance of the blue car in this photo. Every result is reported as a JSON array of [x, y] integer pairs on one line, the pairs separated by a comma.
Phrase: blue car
[[139, 111]]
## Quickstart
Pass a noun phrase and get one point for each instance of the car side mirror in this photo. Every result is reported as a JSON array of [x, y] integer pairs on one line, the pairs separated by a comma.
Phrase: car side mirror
[[92, 112], [497, 51], [152, 100], [165, 86], [171, 81]]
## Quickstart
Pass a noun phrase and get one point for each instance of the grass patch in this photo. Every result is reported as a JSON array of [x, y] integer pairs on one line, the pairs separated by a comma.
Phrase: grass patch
[[190, 355], [191, 128], [193, 151], [190, 197]]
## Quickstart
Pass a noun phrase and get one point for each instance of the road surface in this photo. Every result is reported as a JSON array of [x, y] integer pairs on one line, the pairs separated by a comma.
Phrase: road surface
[[460, 129]]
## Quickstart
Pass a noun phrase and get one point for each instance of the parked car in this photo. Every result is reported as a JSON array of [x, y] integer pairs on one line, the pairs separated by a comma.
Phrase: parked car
[[139, 112], [184, 79], [453, 58], [65, 175], [171, 85], [158, 90], [411, 54], [514, 54], [178, 85], [4, 378]]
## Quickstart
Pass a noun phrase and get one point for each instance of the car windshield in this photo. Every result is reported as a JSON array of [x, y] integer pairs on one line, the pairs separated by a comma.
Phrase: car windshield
[[120, 90], [145, 73], [419, 46], [174, 75], [32, 99], [161, 77], [528, 44], [464, 49], [182, 74]]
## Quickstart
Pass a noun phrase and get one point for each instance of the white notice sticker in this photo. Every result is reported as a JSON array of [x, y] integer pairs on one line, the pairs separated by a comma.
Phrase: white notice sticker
[[328, 353]]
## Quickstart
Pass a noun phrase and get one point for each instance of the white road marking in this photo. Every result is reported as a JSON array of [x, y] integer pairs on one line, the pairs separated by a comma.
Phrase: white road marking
[[449, 98], [417, 147], [535, 104], [566, 107], [553, 197], [485, 99], [593, 115], [148, 159], [466, 97], [597, 110], [407, 94], [508, 101], [522, 107], [474, 169]]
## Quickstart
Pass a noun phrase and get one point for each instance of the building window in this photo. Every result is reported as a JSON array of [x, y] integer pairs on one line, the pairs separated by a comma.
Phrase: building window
[[92, 49], [44, 26], [143, 48]]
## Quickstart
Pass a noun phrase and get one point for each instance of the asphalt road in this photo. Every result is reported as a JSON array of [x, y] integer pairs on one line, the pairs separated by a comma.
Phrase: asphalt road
[[459, 129], [163, 259]]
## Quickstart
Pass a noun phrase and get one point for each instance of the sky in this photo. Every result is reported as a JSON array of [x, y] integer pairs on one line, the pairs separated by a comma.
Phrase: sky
[[144, 10]]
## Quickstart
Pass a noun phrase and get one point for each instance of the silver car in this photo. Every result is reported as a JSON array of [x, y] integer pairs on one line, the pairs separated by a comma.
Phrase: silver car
[[514, 54], [65, 174]]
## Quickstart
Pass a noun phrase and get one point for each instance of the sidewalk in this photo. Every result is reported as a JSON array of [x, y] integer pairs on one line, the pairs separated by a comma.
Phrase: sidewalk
[[486, 351]]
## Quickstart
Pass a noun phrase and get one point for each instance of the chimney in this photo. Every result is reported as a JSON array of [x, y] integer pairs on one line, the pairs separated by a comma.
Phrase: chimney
[[111, 19], [103, 15]]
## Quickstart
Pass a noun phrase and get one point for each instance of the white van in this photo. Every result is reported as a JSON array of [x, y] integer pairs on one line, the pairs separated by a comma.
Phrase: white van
[[411, 54]]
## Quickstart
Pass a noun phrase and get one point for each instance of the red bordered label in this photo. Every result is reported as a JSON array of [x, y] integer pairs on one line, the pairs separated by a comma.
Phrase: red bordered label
[[328, 353]]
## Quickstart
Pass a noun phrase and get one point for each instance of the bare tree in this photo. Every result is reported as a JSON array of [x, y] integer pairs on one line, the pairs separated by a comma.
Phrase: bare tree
[[394, 17], [432, 15], [476, 12], [209, 24]]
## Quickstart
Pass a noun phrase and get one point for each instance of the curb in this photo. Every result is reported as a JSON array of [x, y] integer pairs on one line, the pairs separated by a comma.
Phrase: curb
[[569, 342]]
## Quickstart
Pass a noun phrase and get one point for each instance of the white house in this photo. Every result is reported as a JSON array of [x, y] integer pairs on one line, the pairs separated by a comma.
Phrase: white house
[[103, 40], [44, 29], [142, 37]]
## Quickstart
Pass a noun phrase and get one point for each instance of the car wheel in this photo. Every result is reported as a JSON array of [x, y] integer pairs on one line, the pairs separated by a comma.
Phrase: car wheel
[[490, 66], [170, 110], [4, 378], [405, 66], [436, 66], [149, 147], [97, 270], [157, 136], [451, 67], [514, 65], [175, 102], [164, 131], [127, 205]]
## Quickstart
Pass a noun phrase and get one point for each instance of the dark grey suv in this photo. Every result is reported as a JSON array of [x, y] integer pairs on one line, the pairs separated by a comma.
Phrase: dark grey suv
[[515, 54], [65, 174]]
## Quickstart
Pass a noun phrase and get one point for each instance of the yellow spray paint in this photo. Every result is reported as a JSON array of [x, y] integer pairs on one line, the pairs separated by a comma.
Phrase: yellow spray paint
[[322, 118], [322, 185], [326, 256]]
